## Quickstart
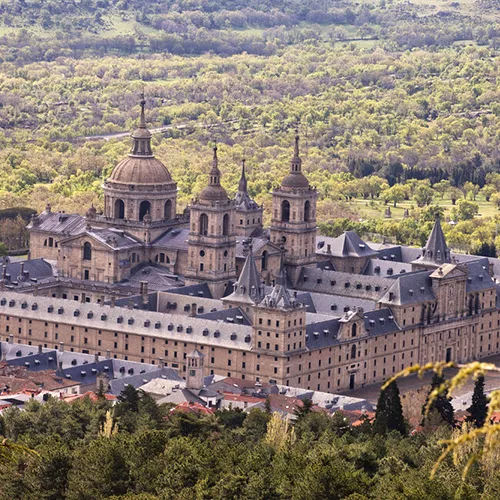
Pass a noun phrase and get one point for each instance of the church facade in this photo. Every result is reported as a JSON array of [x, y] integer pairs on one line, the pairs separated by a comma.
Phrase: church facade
[[280, 304]]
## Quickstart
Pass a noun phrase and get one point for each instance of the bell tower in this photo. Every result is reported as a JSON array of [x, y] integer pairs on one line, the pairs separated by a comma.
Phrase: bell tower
[[212, 237], [195, 376], [294, 215]]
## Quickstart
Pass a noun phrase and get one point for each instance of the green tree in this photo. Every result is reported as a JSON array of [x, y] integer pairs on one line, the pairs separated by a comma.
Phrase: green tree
[[423, 195], [389, 414], [394, 194], [304, 410], [467, 210], [478, 410], [441, 405]]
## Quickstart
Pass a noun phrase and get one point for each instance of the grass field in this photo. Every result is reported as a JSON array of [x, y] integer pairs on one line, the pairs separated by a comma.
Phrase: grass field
[[368, 210]]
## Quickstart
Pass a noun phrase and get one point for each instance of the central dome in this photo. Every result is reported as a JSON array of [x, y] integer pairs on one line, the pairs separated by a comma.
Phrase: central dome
[[137, 170], [213, 193]]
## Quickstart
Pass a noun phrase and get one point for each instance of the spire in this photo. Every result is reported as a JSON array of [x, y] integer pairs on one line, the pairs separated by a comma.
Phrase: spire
[[296, 164], [242, 198], [280, 295], [436, 251], [242, 186], [215, 172], [295, 179], [248, 287], [142, 103], [214, 192], [141, 145]]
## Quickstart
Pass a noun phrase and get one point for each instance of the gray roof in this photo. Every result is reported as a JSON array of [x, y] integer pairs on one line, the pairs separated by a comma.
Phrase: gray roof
[[174, 239], [59, 223], [258, 243], [333, 305], [113, 238], [159, 278], [242, 198], [478, 277], [279, 297], [436, 251], [248, 288], [118, 384], [32, 270], [379, 267], [198, 290], [232, 315], [336, 283], [348, 244], [410, 288], [147, 323]]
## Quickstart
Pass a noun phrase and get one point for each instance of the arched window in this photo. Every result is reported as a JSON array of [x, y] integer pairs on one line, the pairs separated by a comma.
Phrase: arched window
[[354, 329], [285, 211], [162, 258], [167, 213], [87, 251], [225, 225], [264, 260], [144, 208], [51, 242], [119, 209], [203, 224], [307, 210], [353, 352]]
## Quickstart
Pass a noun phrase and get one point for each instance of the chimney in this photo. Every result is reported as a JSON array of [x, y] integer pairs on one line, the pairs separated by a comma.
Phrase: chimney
[[113, 300], [193, 310], [108, 354], [96, 357], [329, 248], [60, 366], [29, 255], [21, 269], [39, 348], [84, 298], [103, 299], [130, 303], [161, 363], [11, 339], [4, 271], [35, 291], [61, 346], [26, 275], [144, 287]]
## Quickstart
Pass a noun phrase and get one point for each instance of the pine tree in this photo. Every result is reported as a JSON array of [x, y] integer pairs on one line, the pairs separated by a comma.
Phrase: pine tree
[[389, 415], [479, 408], [441, 404]]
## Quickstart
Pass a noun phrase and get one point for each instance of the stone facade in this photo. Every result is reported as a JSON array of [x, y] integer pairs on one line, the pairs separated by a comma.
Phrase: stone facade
[[282, 305]]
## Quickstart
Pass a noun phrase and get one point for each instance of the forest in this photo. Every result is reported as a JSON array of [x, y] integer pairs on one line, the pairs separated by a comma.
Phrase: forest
[[139, 450], [396, 103]]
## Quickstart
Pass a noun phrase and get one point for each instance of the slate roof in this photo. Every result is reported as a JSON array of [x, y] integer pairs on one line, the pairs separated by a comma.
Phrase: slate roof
[[34, 269], [410, 288], [232, 315], [117, 385], [114, 238], [478, 275], [436, 251], [258, 243], [348, 244], [317, 280], [279, 297], [158, 278], [146, 323], [334, 305], [59, 223], [173, 239], [386, 268], [248, 288], [198, 290], [242, 198]]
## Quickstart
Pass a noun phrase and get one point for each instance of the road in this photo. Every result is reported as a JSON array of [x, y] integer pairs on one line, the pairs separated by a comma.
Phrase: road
[[159, 130]]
